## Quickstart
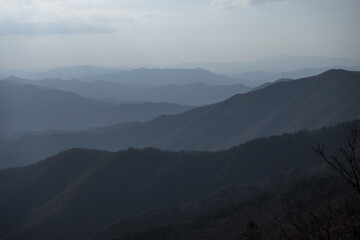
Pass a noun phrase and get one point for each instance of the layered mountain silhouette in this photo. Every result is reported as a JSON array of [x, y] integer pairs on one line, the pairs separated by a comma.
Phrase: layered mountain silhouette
[[189, 94], [67, 72], [162, 77], [77, 192], [281, 63], [310, 103], [30, 108]]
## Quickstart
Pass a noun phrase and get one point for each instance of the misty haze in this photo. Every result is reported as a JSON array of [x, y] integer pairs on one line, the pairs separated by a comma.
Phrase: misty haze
[[186, 120]]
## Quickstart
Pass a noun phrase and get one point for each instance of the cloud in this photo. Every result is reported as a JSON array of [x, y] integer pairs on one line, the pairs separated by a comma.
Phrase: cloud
[[225, 4], [264, 1], [11, 27], [41, 17], [232, 4]]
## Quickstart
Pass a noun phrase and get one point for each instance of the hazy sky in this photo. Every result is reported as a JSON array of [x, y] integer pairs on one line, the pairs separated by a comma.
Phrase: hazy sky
[[50, 33]]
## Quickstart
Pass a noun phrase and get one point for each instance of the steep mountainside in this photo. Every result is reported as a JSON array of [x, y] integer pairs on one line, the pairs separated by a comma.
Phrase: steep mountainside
[[28, 108], [313, 102], [78, 192]]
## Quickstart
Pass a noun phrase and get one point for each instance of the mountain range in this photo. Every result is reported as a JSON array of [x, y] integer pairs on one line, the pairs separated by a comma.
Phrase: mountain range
[[144, 77], [308, 103], [66, 73], [281, 63], [188, 94], [26, 107], [275, 64]]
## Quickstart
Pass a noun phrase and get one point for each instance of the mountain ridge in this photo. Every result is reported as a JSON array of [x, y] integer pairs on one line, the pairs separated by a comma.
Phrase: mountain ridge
[[314, 102], [196, 93], [163, 76], [25, 107]]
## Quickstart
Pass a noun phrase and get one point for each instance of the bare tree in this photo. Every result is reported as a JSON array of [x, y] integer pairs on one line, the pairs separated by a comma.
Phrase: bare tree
[[347, 162], [338, 219]]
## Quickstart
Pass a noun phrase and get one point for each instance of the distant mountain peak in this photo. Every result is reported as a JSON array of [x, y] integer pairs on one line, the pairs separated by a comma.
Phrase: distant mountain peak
[[336, 70], [338, 73], [13, 78]]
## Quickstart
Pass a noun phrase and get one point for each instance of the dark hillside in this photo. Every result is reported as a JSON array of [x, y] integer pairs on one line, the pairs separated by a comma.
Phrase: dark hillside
[[305, 199], [78, 192]]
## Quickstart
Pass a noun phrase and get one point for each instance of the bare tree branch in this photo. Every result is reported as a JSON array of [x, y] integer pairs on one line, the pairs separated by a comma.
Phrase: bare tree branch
[[346, 162]]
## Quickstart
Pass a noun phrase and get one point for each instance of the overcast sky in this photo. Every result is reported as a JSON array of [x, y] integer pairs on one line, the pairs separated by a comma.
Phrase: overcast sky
[[51, 33]]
